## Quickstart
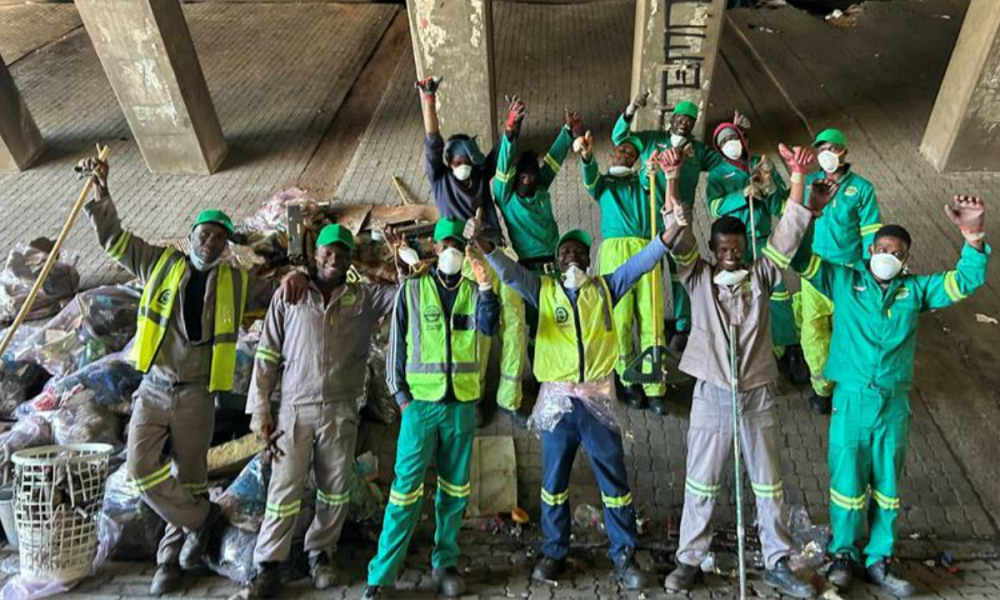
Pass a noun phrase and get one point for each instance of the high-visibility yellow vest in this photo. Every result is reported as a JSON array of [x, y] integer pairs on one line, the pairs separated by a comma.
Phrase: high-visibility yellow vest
[[159, 296], [432, 336], [575, 345]]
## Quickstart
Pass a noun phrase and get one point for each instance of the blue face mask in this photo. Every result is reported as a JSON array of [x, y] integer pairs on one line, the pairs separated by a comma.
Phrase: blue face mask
[[197, 262]]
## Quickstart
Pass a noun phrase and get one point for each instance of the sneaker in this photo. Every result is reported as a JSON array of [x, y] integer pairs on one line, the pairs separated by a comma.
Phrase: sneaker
[[627, 572], [841, 572], [166, 580], [819, 405], [548, 569], [449, 582], [266, 581], [683, 578], [795, 362], [658, 405], [881, 574], [322, 572], [372, 592], [784, 580], [197, 540]]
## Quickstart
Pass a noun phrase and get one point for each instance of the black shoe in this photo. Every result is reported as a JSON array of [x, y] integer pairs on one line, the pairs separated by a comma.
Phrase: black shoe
[[548, 569], [634, 396], [795, 362], [881, 574], [266, 581], [166, 580], [683, 578], [197, 540], [678, 342], [517, 418], [819, 405], [322, 572], [372, 592], [658, 405], [784, 580], [841, 572], [449, 581], [627, 572]]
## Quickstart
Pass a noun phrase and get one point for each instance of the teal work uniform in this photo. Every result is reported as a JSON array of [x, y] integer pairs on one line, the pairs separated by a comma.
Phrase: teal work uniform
[[702, 159], [842, 236], [871, 364], [724, 192], [625, 227]]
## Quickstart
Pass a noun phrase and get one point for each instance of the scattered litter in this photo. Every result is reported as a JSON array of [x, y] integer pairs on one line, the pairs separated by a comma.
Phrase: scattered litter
[[519, 515], [844, 18], [244, 500], [947, 560], [587, 516], [945, 17], [128, 529], [981, 318], [233, 455], [24, 264], [809, 540]]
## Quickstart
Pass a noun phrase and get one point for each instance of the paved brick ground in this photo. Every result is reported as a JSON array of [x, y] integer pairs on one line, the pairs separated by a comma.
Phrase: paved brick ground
[[27, 27]]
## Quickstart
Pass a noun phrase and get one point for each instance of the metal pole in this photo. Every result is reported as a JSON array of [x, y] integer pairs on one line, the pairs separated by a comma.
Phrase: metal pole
[[740, 530]]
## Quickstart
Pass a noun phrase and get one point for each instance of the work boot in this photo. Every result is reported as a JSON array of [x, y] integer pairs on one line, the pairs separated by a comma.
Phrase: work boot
[[819, 405], [634, 396], [678, 342], [841, 572], [373, 592], [166, 580], [683, 578], [449, 581], [658, 405], [627, 572], [197, 540], [322, 572], [266, 581], [784, 580], [881, 574], [548, 569], [517, 418]]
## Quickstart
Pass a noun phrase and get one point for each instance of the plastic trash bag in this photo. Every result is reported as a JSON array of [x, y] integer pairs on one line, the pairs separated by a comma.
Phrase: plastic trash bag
[[377, 402], [19, 381], [24, 263], [84, 422], [271, 216], [29, 432], [598, 397], [113, 379], [128, 528], [25, 331], [244, 500]]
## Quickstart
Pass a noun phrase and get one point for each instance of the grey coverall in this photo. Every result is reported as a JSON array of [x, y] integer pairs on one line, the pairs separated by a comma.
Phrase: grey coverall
[[173, 402], [319, 351], [710, 436]]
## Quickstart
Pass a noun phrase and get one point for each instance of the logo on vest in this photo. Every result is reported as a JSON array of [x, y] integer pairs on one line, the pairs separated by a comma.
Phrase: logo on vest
[[164, 297], [851, 191], [562, 315], [432, 314]]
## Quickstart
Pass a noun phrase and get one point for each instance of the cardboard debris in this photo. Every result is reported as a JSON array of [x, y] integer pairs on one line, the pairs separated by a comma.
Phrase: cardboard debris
[[233, 456], [493, 475]]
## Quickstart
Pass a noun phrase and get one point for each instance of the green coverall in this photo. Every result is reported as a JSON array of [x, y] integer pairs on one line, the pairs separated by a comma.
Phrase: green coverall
[[871, 364], [625, 229], [724, 194], [842, 236], [703, 159]]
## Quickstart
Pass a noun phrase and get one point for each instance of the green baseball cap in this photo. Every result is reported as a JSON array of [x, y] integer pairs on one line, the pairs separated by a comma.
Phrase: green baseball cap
[[832, 136], [215, 217], [449, 228], [335, 234], [635, 141], [687, 108], [575, 235]]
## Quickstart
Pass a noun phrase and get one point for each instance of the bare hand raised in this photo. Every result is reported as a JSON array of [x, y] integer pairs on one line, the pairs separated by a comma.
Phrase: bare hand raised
[[968, 213], [799, 159], [428, 85], [516, 109]]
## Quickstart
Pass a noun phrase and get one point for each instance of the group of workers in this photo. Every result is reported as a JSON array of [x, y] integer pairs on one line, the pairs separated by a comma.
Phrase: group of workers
[[537, 291]]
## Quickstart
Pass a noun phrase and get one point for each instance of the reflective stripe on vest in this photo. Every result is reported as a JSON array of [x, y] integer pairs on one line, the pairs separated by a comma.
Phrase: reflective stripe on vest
[[157, 305], [427, 342], [558, 345]]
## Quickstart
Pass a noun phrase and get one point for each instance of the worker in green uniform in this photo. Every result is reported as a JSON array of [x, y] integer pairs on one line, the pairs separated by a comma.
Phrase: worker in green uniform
[[749, 188], [871, 364], [623, 197], [842, 236], [699, 158], [434, 369]]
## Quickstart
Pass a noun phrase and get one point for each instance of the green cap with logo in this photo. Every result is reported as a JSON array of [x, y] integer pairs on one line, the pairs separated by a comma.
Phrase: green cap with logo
[[831, 136], [687, 108], [449, 228], [215, 217], [575, 235], [335, 234]]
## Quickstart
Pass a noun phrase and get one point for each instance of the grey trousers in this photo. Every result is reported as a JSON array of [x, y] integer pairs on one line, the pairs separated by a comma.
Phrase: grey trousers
[[710, 452], [318, 438], [176, 487]]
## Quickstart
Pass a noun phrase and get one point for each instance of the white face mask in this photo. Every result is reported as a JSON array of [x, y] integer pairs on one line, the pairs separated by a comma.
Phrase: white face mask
[[677, 141], [201, 265], [574, 277], [730, 278], [829, 161], [409, 255], [462, 172], [733, 149], [450, 261], [885, 266], [620, 171]]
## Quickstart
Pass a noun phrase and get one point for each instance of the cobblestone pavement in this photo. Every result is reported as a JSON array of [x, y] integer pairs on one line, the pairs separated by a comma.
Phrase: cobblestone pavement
[[769, 65]]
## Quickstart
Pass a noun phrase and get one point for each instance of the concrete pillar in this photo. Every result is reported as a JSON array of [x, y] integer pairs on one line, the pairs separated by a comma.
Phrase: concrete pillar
[[673, 55], [147, 53], [963, 133], [20, 142], [453, 39]]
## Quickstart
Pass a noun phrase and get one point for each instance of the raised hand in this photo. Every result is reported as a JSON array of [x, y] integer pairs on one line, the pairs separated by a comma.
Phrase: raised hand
[[428, 86], [742, 121], [574, 121], [968, 213], [799, 159], [821, 193], [584, 145], [671, 160], [638, 102], [93, 167], [478, 268], [516, 110]]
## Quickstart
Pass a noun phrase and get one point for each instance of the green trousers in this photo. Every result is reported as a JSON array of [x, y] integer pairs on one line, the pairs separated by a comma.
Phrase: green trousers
[[869, 432], [783, 329], [636, 307], [816, 313], [445, 432], [682, 303]]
